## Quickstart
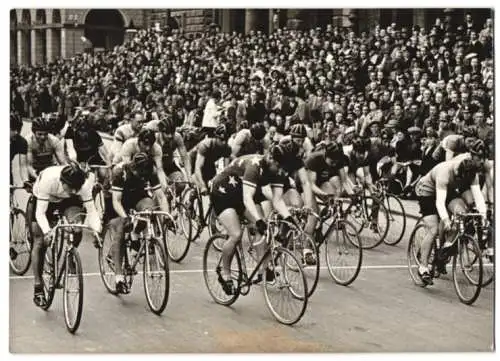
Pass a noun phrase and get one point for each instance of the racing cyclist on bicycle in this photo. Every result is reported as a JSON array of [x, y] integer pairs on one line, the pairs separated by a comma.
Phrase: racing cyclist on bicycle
[[441, 190], [127, 131], [42, 147], [135, 185], [239, 191], [65, 188], [250, 141]]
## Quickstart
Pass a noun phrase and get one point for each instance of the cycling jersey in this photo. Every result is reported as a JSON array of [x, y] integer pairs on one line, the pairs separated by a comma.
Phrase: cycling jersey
[[124, 132], [227, 187], [168, 146], [443, 173], [132, 187], [212, 149], [18, 145], [247, 143], [43, 154], [48, 186], [86, 144], [316, 162], [131, 147]]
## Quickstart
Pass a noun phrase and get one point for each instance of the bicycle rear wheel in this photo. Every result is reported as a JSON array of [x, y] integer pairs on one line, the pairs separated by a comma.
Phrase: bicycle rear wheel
[[286, 295], [178, 242], [342, 254], [73, 290], [397, 219], [488, 260], [156, 276], [212, 268], [20, 245], [106, 264], [370, 220], [467, 270]]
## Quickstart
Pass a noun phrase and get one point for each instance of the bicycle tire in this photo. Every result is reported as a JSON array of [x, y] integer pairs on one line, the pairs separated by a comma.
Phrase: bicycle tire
[[489, 266], [298, 293], [50, 271], [467, 242], [19, 268], [106, 269], [177, 244], [73, 326], [298, 242], [162, 263], [333, 266], [401, 215], [214, 266], [367, 241], [413, 255]]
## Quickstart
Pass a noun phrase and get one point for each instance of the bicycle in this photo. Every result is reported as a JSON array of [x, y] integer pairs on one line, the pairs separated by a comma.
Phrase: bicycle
[[149, 250], [69, 271], [368, 215], [485, 238], [20, 237], [343, 254], [395, 209], [199, 219], [464, 251], [177, 245], [289, 278]]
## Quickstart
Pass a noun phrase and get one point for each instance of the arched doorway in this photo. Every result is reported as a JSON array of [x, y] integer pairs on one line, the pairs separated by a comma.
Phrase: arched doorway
[[105, 28], [25, 56], [56, 34], [41, 38], [13, 37]]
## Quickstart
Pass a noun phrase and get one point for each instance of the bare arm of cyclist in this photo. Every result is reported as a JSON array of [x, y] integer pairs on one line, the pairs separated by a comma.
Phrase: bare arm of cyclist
[[70, 149], [181, 148], [315, 189], [23, 168], [306, 187], [248, 193], [278, 202], [198, 177], [41, 218], [441, 193], [29, 159], [238, 141], [478, 196], [58, 149]]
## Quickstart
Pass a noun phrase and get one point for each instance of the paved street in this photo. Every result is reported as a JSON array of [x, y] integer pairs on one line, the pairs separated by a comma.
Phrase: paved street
[[381, 311]]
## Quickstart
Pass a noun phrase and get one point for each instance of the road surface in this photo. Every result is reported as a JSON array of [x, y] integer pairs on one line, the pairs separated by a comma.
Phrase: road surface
[[382, 311]]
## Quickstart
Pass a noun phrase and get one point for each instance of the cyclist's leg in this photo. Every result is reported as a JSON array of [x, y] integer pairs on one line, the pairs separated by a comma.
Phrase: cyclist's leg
[[335, 185], [73, 211], [116, 229], [143, 205], [230, 220], [430, 219]]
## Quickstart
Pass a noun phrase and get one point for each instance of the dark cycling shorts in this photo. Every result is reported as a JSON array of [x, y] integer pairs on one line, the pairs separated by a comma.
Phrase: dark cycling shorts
[[170, 167], [224, 195], [129, 202], [428, 204]]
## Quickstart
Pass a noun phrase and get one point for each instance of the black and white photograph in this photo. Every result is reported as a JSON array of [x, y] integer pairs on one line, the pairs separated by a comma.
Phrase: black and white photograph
[[251, 180]]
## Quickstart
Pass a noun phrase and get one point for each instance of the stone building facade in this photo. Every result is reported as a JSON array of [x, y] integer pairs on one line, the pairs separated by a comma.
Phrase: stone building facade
[[38, 36]]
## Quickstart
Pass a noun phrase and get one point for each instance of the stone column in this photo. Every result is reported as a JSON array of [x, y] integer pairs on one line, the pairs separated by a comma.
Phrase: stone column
[[21, 48], [35, 47], [294, 19], [226, 21], [251, 20], [419, 17], [50, 45], [64, 43]]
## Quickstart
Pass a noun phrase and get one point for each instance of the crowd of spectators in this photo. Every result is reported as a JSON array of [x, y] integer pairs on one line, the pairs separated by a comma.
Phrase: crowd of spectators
[[438, 79]]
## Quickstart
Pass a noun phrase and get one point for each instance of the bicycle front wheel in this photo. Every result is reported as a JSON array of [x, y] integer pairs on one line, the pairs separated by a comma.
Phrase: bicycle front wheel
[[178, 241], [212, 270], [106, 264], [286, 295], [343, 256], [397, 220], [20, 246], [467, 270], [73, 290], [156, 276], [300, 243]]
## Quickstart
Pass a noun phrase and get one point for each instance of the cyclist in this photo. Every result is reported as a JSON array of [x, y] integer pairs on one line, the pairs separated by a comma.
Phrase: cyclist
[[127, 131], [135, 185], [42, 147], [84, 144], [239, 192], [205, 155], [442, 190], [18, 146], [250, 141], [170, 141], [64, 188]]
